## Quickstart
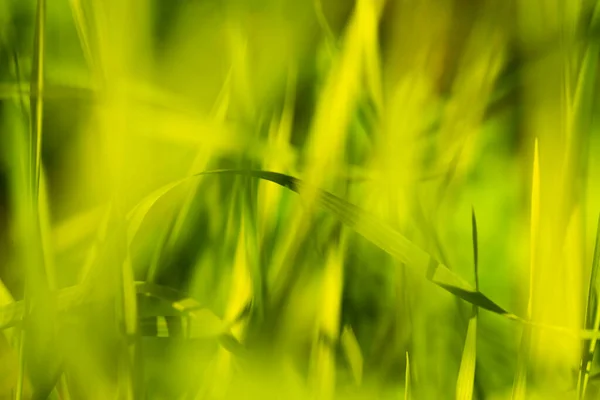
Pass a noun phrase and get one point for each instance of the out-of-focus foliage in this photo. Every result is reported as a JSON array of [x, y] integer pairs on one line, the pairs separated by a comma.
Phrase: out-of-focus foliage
[[276, 199]]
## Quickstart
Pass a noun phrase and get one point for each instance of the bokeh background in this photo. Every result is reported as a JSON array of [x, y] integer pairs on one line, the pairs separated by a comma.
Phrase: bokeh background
[[125, 275]]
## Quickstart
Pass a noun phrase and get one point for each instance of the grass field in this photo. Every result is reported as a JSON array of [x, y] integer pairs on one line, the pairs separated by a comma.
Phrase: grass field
[[277, 199]]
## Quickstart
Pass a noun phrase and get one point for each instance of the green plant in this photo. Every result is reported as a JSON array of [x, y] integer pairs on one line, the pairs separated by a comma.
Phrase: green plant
[[257, 199]]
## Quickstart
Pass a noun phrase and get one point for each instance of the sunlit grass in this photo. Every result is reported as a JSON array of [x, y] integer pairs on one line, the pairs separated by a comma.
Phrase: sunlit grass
[[276, 199]]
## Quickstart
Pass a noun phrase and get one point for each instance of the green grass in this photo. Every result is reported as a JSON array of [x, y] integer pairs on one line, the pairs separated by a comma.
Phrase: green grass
[[268, 198]]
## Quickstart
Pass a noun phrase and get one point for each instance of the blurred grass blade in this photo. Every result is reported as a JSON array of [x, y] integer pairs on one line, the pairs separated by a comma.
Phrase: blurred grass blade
[[353, 354], [8, 356], [592, 320], [73, 231], [137, 215], [323, 368], [407, 374], [37, 93], [520, 382], [21, 371], [584, 108], [475, 248], [45, 232], [81, 25], [368, 20], [466, 373], [128, 299]]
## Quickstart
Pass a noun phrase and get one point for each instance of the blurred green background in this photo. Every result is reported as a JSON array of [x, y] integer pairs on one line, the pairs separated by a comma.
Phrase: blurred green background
[[459, 134]]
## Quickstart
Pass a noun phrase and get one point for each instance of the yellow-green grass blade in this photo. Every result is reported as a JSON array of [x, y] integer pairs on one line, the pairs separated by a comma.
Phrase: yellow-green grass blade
[[39, 337], [37, 87], [340, 94], [128, 297], [323, 23], [21, 371], [475, 248], [583, 104], [407, 375], [245, 284], [323, 368], [369, 23], [466, 373], [353, 353], [81, 25], [45, 232], [243, 287], [9, 366], [30, 213], [269, 196], [592, 321], [519, 389], [520, 382], [9, 363]]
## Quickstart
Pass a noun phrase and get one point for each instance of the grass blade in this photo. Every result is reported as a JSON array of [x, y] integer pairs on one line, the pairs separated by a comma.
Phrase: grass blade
[[407, 387], [475, 248], [466, 374], [323, 371], [519, 385], [592, 320], [584, 104], [77, 10], [37, 88], [353, 354]]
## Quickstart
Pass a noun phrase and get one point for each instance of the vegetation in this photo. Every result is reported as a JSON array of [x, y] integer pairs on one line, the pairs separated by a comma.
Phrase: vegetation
[[299, 199]]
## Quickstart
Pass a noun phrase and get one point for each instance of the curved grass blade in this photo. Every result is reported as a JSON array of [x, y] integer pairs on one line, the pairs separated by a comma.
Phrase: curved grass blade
[[592, 321], [366, 225], [384, 237], [377, 232]]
